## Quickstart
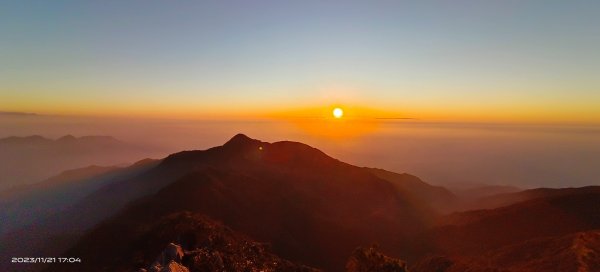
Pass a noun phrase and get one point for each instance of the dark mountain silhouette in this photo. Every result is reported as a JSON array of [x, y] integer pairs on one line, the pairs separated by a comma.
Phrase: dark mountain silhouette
[[555, 230], [286, 206], [504, 199], [576, 252], [26, 204], [475, 232], [33, 203], [485, 190], [32, 159], [46, 214], [411, 186], [285, 193]]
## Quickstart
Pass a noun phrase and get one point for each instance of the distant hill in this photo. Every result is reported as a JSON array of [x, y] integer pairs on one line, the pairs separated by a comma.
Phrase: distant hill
[[43, 213], [498, 199], [17, 113], [28, 204], [23, 205], [481, 190], [31, 159], [472, 232], [574, 252], [555, 231], [437, 197]]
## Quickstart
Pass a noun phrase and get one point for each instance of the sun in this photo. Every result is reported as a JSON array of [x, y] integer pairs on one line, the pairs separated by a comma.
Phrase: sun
[[338, 113]]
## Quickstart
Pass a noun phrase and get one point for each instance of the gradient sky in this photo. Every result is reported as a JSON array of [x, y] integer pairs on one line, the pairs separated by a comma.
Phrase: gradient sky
[[457, 60]]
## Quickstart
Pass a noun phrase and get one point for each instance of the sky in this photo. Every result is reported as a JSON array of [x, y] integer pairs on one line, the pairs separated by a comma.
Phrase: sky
[[515, 61]]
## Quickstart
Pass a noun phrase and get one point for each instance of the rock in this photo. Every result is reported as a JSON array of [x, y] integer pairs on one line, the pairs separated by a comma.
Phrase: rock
[[155, 268], [200, 244], [173, 252], [370, 260], [169, 260], [174, 267]]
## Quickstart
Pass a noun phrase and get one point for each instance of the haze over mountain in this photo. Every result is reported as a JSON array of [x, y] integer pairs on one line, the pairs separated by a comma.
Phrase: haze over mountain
[[289, 203], [17, 113], [287, 193], [570, 211], [27, 204], [445, 154], [31, 159], [553, 231]]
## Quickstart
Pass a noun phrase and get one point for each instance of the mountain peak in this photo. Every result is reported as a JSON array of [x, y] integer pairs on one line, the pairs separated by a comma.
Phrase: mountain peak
[[240, 137], [240, 140], [67, 138]]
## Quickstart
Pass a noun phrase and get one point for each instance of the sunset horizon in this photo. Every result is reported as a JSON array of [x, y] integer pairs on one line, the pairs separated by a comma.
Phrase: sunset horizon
[[522, 63], [300, 136]]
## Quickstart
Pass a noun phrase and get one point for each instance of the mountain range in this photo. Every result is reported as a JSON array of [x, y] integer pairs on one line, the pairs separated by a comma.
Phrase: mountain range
[[32, 159], [250, 205]]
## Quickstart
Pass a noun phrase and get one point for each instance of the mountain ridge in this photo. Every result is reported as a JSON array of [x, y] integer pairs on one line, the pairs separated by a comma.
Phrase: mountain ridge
[[313, 209], [31, 159], [295, 178]]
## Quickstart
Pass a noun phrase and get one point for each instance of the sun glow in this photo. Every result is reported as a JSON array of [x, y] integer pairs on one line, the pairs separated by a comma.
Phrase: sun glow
[[338, 113]]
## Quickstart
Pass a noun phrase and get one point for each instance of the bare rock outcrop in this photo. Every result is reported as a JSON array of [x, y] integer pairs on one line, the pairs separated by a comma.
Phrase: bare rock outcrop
[[370, 259]]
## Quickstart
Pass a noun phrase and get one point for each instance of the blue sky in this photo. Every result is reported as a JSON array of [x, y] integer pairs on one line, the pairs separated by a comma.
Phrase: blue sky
[[517, 59]]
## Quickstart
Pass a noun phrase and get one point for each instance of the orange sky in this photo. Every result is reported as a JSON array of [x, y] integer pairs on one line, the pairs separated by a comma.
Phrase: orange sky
[[481, 62]]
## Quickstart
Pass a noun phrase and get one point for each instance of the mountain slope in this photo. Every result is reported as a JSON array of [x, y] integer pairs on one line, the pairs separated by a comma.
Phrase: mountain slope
[[576, 252], [48, 215], [474, 232], [27, 160], [181, 239], [437, 197], [555, 231], [505, 199], [285, 193], [33, 203], [26, 204]]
